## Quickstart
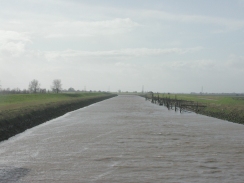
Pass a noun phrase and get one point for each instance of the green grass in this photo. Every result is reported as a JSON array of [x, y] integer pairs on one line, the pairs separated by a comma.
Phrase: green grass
[[19, 101], [224, 107], [19, 112], [209, 99]]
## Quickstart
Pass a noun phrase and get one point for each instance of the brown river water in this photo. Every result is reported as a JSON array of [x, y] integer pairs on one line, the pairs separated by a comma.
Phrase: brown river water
[[126, 139]]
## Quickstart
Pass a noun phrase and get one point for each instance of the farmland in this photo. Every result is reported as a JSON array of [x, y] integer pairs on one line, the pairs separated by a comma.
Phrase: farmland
[[16, 102], [226, 107], [19, 112]]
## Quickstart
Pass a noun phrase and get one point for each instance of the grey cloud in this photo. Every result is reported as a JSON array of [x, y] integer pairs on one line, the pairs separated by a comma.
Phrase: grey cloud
[[136, 52], [236, 62], [91, 28]]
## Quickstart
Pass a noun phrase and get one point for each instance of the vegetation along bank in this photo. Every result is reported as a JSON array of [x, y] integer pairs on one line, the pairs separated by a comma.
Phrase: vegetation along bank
[[19, 112], [225, 107], [230, 108]]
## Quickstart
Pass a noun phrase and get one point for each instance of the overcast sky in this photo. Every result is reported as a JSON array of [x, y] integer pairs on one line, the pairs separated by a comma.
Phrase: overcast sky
[[167, 46]]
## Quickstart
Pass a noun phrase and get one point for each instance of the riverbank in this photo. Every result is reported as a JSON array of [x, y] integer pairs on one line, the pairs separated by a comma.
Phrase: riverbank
[[126, 139], [230, 108], [21, 112]]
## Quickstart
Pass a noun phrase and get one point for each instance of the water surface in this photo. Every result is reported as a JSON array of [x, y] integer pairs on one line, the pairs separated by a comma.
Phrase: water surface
[[126, 139]]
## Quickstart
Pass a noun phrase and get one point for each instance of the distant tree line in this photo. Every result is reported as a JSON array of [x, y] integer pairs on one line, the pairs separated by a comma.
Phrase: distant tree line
[[34, 87]]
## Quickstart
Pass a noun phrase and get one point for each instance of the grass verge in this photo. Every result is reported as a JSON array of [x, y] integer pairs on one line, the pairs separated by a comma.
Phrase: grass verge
[[229, 108], [20, 112]]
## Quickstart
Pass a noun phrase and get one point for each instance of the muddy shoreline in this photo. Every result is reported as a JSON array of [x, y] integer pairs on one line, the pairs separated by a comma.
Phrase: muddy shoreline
[[18, 123]]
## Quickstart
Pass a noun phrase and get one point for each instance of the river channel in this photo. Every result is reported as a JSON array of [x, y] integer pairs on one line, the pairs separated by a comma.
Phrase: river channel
[[125, 140]]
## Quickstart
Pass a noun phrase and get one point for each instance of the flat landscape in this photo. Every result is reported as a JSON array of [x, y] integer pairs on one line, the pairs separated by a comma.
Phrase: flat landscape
[[226, 107], [19, 112], [16, 101], [126, 139]]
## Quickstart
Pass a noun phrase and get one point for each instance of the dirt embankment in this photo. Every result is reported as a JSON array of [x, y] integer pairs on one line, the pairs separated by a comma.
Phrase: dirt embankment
[[20, 121]]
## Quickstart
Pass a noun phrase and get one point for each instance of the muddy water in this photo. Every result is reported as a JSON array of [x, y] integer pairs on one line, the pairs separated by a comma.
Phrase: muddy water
[[126, 139]]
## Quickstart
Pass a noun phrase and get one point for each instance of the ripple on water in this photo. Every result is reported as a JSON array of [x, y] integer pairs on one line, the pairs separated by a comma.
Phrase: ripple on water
[[10, 174]]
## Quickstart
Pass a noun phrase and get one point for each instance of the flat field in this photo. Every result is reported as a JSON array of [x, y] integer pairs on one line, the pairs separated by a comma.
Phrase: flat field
[[227, 107], [19, 103], [19, 112], [219, 101]]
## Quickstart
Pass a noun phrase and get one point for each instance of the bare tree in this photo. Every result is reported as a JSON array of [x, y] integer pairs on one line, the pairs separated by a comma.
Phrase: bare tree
[[57, 86], [34, 86]]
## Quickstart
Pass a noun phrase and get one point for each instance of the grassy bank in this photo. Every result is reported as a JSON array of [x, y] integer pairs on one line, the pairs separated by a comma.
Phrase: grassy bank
[[229, 108], [20, 112], [18, 101]]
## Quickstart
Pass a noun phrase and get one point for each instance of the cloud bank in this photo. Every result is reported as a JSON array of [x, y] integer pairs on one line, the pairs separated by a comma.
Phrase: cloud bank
[[104, 44]]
